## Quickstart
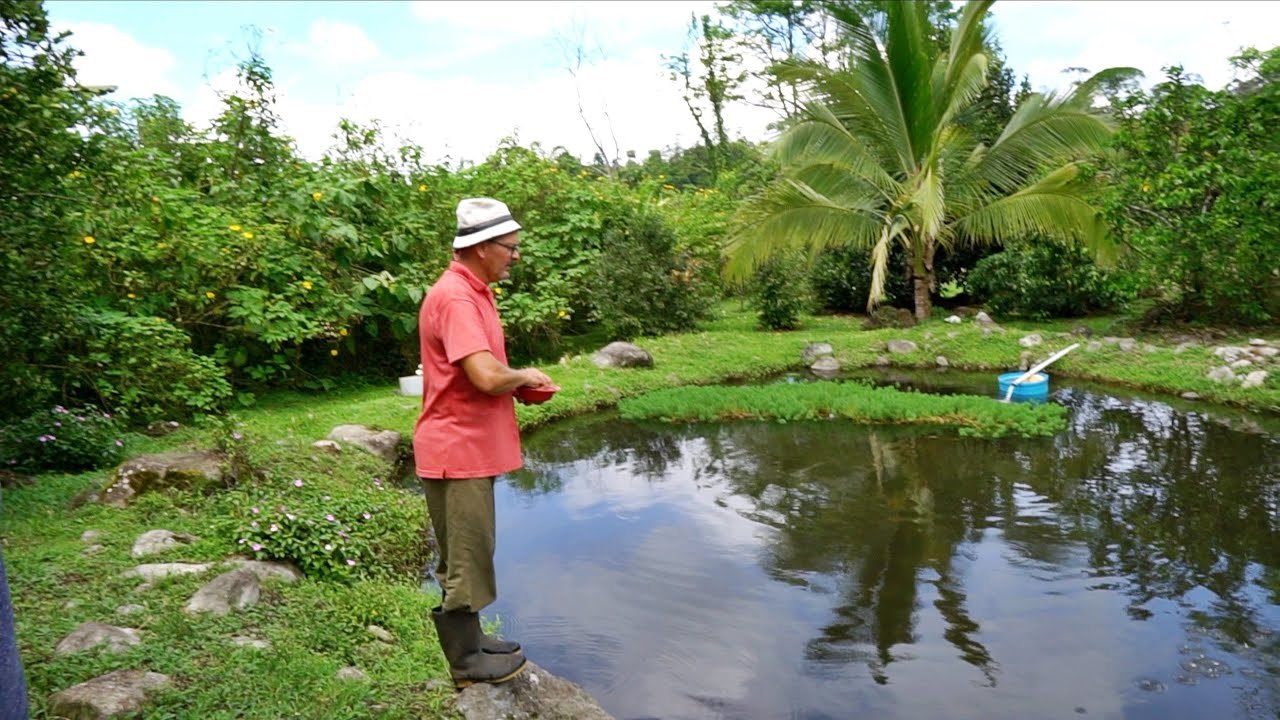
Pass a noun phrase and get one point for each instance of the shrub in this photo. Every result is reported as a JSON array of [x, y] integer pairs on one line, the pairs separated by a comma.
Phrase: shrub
[[1045, 280], [333, 529], [644, 284], [841, 279], [779, 293], [61, 439]]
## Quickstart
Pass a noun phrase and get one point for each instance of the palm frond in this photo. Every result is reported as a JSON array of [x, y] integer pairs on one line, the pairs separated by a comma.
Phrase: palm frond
[[821, 139], [891, 230], [1042, 133]]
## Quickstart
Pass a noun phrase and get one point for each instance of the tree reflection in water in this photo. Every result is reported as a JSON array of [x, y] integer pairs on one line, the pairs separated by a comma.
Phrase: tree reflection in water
[[1163, 502]]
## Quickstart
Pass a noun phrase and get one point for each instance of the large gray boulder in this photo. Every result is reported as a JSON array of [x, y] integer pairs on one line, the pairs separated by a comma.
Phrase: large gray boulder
[[192, 470], [896, 347], [622, 355], [91, 634], [383, 443], [533, 694], [813, 351], [233, 590], [116, 694], [155, 571]]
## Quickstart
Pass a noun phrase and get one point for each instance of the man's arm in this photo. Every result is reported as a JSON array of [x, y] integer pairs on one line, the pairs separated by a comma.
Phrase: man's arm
[[492, 377]]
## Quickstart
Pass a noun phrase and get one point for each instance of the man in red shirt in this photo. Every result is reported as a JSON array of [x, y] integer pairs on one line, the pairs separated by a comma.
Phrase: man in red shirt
[[467, 434]]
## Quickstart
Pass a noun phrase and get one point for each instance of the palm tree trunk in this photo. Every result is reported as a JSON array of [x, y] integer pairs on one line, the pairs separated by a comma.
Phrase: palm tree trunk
[[922, 278]]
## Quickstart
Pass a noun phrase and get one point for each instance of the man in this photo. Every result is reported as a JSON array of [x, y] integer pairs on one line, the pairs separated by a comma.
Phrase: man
[[13, 688], [467, 434]]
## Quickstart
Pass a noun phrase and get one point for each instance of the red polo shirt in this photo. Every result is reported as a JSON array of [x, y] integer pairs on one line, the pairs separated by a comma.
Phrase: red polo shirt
[[462, 432]]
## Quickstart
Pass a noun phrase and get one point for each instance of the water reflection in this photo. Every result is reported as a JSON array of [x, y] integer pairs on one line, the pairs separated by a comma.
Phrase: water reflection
[[826, 570]]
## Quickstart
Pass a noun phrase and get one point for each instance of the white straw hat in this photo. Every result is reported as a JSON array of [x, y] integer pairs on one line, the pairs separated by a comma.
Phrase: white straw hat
[[481, 219]]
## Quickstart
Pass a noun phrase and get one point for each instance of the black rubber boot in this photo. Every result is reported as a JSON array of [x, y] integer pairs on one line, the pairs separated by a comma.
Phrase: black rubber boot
[[493, 645], [460, 634]]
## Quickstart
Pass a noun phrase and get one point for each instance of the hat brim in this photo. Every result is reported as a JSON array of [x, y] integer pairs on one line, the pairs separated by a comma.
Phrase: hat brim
[[475, 238]]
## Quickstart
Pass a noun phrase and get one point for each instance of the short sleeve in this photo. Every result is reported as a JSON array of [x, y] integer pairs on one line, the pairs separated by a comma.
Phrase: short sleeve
[[461, 330]]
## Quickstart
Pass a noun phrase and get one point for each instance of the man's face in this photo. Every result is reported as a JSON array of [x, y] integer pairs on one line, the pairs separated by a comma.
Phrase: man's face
[[500, 254]]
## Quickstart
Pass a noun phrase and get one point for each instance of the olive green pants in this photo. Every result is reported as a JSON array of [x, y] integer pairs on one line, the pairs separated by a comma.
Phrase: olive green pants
[[463, 517]]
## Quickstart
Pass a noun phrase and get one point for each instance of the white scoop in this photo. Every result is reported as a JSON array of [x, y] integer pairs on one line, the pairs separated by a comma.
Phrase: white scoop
[[1025, 376]]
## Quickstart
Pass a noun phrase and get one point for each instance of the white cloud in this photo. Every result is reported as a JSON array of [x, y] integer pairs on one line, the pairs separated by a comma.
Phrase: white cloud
[[339, 43], [114, 57], [1043, 38]]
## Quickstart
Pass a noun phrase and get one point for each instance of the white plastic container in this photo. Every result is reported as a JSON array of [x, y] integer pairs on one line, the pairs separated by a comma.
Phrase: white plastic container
[[411, 385]]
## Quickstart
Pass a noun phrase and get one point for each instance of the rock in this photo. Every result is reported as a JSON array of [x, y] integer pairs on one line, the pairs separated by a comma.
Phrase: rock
[[199, 470], [1024, 360], [900, 347], [328, 446], [1093, 346], [1230, 353], [1241, 363], [1082, 331], [1189, 395], [92, 634], [813, 351], [534, 693], [155, 571], [381, 634], [233, 590], [1127, 344], [1258, 342], [1149, 348], [90, 536], [983, 318], [162, 427], [1031, 340], [884, 317], [622, 355], [116, 694], [351, 673], [382, 443], [883, 361], [953, 319], [1266, 352], [1185, 346], [941, 361], [1110, 340], [825, 366], [1254, 379], [131, 609], [158, 541], [11, 479], [269, 569], [71, 604], [1222, 374], [242, 641], [92, 550]]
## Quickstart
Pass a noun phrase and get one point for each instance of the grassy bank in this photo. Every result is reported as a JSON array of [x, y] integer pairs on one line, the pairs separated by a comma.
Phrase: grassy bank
[[316, 627]]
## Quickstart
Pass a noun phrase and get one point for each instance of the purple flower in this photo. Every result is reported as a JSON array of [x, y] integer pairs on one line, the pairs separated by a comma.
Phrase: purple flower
[[297, 483], [256, 547], [325, 498], [106, 415], [274, 527], [291, 516], [330, 518], [367, 516], [236, 435], [119, 443], [242, 541], [254, 524], [328, 547], [284, 509], [351, 562], [79, 418], [343, 535], [46, 438], [254, 509], [57, 423], [59, 409]]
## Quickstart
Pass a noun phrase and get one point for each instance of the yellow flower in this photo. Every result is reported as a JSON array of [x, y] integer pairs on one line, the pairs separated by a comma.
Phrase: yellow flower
[[343, 332], [306, 284], [210, 294], [497, 291], [317, 195], [662, 177], [422, 188], [113, 111], [562, 314], [131, 296], [89, 239], [155, 199], [233, 228], [1146, 187], [555, 169], [668, 187], [161, 245], [247, 235], [333, 353], [75, 173]]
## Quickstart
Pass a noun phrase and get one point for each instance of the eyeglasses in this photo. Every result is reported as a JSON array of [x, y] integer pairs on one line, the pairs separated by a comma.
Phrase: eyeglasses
[[513, 249]]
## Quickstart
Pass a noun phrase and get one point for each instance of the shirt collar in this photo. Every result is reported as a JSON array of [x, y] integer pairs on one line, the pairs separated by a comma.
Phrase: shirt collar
[[475, 282]]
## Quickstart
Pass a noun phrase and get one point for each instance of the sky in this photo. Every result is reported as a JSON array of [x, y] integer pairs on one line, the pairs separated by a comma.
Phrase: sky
[[457, 77]]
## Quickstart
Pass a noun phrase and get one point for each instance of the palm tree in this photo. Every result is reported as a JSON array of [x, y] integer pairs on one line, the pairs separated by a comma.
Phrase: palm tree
[[879, 156]]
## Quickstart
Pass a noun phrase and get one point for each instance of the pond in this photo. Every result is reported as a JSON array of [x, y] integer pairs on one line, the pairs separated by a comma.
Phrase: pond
[[1127, 568]]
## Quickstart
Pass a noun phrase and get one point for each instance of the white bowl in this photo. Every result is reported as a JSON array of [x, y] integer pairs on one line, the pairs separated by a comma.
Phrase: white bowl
[[411, 385]]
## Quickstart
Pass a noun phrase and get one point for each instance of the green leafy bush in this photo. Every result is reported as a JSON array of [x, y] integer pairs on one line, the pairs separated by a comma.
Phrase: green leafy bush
[[1045, 280], [841, 278], [64, 439], [779, 293], [332, 529], [644, 284]]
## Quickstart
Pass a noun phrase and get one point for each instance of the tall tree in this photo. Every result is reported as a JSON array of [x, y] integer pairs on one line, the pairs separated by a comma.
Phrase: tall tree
[[880, 157], [710, 84]]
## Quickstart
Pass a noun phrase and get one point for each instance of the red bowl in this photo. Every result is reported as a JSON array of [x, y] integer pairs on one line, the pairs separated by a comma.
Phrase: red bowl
[[536, 395]]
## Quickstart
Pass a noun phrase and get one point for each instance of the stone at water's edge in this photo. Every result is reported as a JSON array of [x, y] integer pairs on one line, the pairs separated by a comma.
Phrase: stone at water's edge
[[900, 346], [91, 634], [383, 443], [825, 367], [534, 694], [813, 351], [622, 355], [117, 694], [199, 470]]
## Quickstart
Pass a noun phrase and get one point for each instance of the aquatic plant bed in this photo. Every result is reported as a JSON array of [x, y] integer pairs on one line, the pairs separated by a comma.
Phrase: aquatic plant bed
[[971, 415]]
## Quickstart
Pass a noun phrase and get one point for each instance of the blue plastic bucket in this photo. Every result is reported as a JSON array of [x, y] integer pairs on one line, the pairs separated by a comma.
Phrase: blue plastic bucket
[[1034, 388]]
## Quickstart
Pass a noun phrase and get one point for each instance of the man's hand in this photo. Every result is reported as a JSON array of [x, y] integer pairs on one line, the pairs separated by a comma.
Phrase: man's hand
[[534, 377], [494, 378]]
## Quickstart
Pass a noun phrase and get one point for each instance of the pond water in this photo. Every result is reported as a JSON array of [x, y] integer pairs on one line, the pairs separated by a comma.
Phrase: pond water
[[1127, 568]]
